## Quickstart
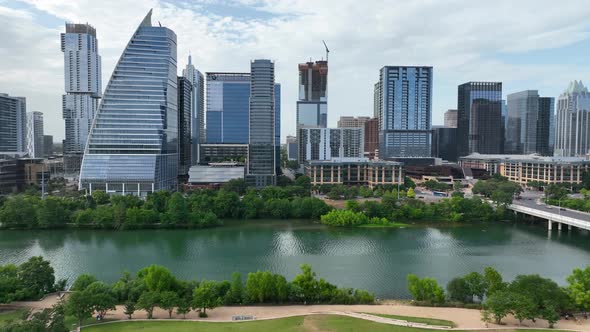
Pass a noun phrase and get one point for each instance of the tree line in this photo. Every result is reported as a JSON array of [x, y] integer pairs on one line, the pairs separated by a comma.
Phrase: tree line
[[527, 297]]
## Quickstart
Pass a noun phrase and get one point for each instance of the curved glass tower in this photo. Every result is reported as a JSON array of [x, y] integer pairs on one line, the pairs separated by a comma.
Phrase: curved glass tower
[[132, 147]]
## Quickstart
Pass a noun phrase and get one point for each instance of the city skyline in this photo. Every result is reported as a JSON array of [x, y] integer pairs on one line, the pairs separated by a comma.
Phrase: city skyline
[[540, 47]]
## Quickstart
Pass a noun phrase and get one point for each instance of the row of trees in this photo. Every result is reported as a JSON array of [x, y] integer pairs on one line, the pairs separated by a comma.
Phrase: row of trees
[[345, 218], [202, 208], [27, 281], [527, 297], [340, 191], [155, 286], [498, 189]]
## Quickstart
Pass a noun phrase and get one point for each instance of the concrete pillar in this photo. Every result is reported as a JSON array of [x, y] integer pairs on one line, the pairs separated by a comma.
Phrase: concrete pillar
[[569, 227], [559, 226], [549, 225], [123, 188]]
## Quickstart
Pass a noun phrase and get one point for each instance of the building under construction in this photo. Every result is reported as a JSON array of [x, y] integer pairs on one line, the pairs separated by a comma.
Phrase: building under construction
[[312, 106]]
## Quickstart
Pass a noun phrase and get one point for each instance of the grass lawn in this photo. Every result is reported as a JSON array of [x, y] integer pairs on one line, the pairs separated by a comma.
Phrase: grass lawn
[[11, 315], [429, 321]]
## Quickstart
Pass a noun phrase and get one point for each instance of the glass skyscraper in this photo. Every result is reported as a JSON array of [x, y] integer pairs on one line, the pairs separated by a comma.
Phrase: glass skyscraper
[[529, 118], [312, 106], [479, 119], [572, 121], [185, 92], [13, 124], [261, 168], [405, 111], [133, 144], [197, 109], [82, 82], [35, 139]]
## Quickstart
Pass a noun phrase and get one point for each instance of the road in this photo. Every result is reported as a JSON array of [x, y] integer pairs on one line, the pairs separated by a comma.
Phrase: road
[[531, 203]]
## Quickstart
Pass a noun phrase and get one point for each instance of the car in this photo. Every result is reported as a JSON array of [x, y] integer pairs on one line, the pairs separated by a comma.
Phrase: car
[[562, 209]]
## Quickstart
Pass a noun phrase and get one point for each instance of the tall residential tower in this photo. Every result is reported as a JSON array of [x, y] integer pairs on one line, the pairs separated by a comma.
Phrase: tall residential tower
[[13, 125], [35, 140]]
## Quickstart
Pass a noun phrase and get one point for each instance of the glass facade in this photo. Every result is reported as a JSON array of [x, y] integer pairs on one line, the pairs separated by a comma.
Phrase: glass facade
[[529, 122], [185, 90], [197, 131], [312, 106], [572, 121], [405, 111], [35, 135], [133, 144], [479, 120], [13, 124]]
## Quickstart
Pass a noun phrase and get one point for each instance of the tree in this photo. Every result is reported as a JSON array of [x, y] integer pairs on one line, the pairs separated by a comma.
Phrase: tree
[[79, 306], [184, 307], [147, 301], [579, 287], [425, 289], [83, 281], [37, 277], [238, 186], [51, 212], [100, 197], [157, 278], [493, 280], [540, 291], [177, 210], [10, 285], [476, 285], [236, 291], [168, 301], [458, 290], [523, 308], [205, 297], [499, 305], [18, 210], [307, 282], [411, 193], [550, 314], [101, 297], [129, 309]]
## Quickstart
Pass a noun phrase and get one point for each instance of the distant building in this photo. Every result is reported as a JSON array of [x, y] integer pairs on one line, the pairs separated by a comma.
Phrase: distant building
[[444, 143], [372, 138], [197, 109], [185, 138], [523, 169], [479, 127], [83, 87], [529, 120], [116, 160], [35, 141], [47, 145], [405, 111], [13, 124], [377, 106], [214, 175], [354, 172], [352, 122], [451, 119], [572, 125], [329, 143], [292, 147], [312, 104], [17, 173], [261, 170], [216, 153]]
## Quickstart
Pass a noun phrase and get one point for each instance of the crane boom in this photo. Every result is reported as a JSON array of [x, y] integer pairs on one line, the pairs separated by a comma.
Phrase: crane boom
[[327, 50]]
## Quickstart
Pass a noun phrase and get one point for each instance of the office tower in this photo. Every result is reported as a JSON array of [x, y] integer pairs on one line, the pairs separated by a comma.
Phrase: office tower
[[132, 147], [550, 100], [197, 110], [35, 140], [444, 143], [277, 99], [545, 126], [292, 148], [47, 145], [185, 92], [352, 122], [479, 118], [504, 125], [372, 138], [528, 123], [312, 106], [13, 124], [261, 166], [572, 121], [451, 119], [83, 87], [377, 100], [329, 143], [405, 111]]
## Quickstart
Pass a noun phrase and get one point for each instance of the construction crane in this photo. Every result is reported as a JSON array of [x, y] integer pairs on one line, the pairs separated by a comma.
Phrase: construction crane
[[327, 50]]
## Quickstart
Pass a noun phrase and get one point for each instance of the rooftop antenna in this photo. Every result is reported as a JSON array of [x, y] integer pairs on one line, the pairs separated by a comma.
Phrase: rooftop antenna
[[160, 24], [327, 50]]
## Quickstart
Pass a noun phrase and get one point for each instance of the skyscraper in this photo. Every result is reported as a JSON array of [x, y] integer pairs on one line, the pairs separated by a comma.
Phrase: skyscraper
[[312, 106], [197, 109], [329, 143], [35, 140], [185, 92], [47, 145], [451, 119], [479, 118], [13, 124], [371, 138], [528, 123], [82, 82], [132, 147], [261, 167], [444, 143], [572, 121], [405, 111]]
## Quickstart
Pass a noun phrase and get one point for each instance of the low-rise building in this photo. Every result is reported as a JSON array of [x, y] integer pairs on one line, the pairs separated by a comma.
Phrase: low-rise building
[[16, 174], [214, 175], [523, 169], [354, 171]]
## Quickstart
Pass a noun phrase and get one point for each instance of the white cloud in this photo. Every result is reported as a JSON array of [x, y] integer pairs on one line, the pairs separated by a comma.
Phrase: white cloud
[[459, 38]]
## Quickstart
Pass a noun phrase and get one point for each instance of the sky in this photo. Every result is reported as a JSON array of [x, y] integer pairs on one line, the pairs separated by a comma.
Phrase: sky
[[526, 44]]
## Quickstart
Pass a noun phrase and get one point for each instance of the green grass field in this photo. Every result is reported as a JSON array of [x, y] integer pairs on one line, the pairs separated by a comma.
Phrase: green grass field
[[429, 321], [12, 315]]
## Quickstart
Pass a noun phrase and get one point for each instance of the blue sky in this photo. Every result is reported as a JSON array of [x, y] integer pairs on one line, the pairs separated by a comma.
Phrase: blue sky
[[525, 44]]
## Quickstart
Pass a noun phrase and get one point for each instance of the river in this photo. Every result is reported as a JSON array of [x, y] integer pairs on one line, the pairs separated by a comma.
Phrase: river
[[374, 259]]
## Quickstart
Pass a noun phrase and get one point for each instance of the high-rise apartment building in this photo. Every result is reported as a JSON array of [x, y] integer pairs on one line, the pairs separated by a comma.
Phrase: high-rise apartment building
[[451, 119], [185, 92], [13, 124], [312, 105], [479, 118], [292, 148], [572, 121], [133, 145], [352, 122], [261, 168], [529, 118], [329, 143], [35, 140], [372, 138], [405, 111], [197, 131], [82, 82], [377, 100]]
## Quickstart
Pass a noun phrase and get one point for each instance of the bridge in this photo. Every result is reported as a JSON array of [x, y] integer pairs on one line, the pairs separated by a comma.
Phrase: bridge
[[552, 214]]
